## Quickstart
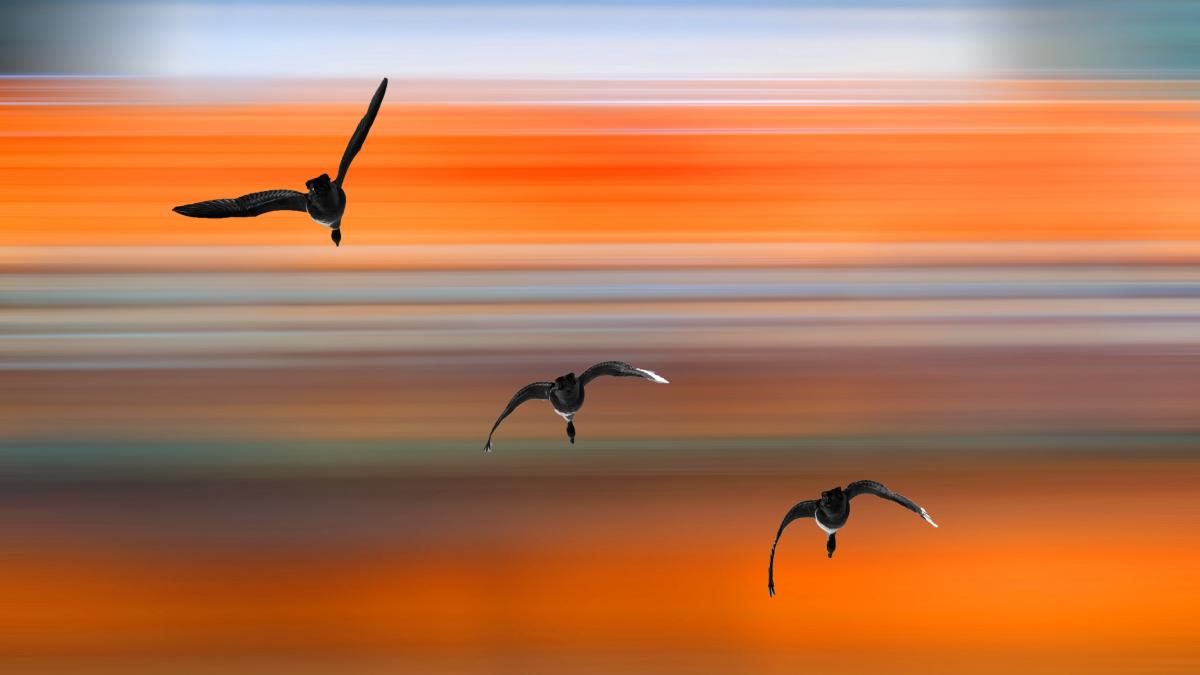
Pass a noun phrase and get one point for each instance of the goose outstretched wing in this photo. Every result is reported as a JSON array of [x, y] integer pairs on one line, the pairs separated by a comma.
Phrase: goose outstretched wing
[[805, 509], [246, 206], [528, 393], [619, 369], [880, 490], [360, 132]]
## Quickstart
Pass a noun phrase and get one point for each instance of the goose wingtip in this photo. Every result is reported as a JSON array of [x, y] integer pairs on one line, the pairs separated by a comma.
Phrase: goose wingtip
[[655, 377]]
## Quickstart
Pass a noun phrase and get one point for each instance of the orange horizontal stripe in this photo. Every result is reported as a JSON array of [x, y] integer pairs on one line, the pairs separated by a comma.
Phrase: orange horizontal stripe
[[512, 174]]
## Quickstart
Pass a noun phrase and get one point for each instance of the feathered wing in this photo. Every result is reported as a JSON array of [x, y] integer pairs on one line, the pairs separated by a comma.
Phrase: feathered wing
[[880, 490], [620, 369], [805, 509], [360, 132], [246, 206], [528, 393]]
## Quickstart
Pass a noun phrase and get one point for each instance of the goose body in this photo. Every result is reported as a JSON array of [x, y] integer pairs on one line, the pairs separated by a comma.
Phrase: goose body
[[566, 393], [325, 201], [831, 512]]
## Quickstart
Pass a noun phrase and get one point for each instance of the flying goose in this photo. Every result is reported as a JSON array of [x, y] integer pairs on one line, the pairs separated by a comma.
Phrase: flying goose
[[831, 511], [566, 393], [325, 201]]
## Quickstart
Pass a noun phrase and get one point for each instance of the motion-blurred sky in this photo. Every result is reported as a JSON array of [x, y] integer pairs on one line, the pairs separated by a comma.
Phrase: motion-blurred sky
[[717, 38], [949, 246]]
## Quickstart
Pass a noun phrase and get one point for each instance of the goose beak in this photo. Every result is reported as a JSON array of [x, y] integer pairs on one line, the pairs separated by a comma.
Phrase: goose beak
[[336, 235]]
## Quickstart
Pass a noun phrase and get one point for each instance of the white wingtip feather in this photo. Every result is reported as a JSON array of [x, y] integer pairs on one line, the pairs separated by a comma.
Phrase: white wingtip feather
[[654, 376], [926, 517]]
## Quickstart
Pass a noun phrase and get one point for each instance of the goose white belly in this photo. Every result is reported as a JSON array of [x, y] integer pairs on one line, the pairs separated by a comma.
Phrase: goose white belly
[[323, 221], [828, 530]]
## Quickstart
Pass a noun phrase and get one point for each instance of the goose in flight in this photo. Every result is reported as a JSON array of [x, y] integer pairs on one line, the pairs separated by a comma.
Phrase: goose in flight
[[831, 511], [325, 201], [566, 393]]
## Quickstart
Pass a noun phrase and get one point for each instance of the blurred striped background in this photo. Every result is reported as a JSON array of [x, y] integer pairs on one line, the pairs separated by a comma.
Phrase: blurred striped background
[[230, 447]]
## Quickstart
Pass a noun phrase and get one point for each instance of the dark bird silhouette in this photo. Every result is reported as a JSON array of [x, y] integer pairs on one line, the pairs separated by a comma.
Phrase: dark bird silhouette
[[325, 201], [831, 511], [566, 393]]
